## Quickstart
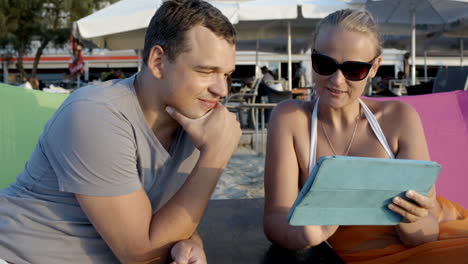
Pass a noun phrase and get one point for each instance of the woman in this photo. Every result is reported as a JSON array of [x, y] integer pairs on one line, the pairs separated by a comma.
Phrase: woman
[[347, 54]]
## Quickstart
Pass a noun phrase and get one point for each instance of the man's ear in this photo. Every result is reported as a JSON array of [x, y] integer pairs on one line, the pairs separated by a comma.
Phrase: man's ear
[[156, 61], [375, 67]]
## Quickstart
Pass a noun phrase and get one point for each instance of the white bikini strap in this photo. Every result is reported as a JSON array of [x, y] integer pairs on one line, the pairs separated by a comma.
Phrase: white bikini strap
[[371, 119], [313, 137], [376, 128]]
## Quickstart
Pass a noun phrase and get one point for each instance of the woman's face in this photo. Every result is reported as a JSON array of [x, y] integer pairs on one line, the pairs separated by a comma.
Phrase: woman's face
[[343, 45]]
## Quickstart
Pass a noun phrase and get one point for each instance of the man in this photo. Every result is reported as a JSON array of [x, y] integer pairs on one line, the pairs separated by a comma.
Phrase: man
[[264, 86], [123, 171], [268, 77]]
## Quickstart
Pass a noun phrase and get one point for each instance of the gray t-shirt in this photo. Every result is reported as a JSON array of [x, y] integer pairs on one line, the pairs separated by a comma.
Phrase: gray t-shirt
[[97, 143]]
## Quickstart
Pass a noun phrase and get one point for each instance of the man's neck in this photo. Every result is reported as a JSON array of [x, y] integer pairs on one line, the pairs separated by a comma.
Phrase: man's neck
[[153, 108]]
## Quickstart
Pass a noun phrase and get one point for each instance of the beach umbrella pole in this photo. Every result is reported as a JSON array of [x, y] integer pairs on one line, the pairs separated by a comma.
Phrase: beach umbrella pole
[[5, 72], [461, 52], [257, 72], [413, 47], [289, 58], [425, 66], [140, 58], [86, 72]]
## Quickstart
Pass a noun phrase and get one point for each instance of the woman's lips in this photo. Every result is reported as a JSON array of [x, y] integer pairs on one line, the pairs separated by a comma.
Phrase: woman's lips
[[336, 92]]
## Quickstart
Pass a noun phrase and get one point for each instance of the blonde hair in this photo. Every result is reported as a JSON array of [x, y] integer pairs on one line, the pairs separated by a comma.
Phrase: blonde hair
[[352, 20]]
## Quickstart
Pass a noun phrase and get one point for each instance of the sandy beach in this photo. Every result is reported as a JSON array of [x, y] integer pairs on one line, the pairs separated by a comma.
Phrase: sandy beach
[[243, 177]]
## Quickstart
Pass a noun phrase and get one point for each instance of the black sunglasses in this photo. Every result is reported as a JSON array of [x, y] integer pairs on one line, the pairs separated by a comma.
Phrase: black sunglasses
[[352, 70]]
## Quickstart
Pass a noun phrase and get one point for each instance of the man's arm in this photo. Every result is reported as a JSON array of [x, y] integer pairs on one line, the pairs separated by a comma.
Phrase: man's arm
[[189, 251], [197, 239], [126, 222]]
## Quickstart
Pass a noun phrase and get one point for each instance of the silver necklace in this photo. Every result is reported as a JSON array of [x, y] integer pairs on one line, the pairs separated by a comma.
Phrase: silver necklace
[[350, 141]]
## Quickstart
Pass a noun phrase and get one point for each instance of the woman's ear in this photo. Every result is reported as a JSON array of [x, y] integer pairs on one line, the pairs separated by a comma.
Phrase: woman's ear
[[156, 61]]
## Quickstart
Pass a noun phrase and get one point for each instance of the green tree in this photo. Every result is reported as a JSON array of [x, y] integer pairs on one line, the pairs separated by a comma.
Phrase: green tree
[[47, 21]]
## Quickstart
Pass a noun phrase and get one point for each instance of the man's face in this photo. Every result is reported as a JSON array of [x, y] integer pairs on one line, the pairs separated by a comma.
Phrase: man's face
[[196, 80]]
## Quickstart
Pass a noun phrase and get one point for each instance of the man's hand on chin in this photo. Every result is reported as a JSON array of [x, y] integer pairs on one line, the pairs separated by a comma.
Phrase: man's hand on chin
[[216, 134], [188, 252]]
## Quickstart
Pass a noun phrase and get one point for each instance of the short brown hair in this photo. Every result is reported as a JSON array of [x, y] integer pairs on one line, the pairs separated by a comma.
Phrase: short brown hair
[[175, 17]]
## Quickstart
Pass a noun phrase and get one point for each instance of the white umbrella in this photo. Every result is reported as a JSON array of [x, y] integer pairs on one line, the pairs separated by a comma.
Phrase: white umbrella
[[264, 16], [460, 31], [435, 44], [428, 14], [126, 20], [318, 9], [118, 26], [271, 19], [123, 25]]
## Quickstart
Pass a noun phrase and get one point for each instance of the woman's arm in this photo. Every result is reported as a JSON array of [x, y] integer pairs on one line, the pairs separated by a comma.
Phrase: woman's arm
[[420, 223], [282, 183]]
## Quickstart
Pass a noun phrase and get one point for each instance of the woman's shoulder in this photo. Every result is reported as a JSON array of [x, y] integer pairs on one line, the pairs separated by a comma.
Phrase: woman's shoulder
[[392, 110], [293, 110], [295, 106]]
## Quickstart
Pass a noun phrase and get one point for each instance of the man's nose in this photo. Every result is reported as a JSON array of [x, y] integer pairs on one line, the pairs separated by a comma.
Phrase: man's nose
[[220, 86]]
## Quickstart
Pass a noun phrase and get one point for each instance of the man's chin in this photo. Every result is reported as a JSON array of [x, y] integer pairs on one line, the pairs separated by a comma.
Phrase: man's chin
[[202, 114], [195, 114]]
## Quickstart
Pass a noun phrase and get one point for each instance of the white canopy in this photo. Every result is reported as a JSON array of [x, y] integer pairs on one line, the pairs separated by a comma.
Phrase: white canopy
[[267, 9], [428, 15], [317, 9], [123, 16], [123, 24], [428, 12]]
